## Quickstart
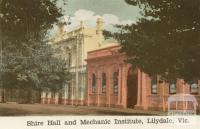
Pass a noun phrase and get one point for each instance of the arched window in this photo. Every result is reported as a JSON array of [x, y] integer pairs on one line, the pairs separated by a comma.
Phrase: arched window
[[69, 59], [194, 86], [103, 83], [93, 83], [115, 83], [154, 84], [172, 88]]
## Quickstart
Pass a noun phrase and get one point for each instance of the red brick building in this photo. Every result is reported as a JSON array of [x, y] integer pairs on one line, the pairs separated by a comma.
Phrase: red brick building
[[112, 83]]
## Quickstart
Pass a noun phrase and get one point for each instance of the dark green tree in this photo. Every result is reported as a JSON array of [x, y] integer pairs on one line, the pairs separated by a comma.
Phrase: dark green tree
[[166, 39], [27, 60]]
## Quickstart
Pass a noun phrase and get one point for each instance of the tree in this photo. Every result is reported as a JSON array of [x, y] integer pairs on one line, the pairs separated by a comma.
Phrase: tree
[[166, 39], [27, 60]]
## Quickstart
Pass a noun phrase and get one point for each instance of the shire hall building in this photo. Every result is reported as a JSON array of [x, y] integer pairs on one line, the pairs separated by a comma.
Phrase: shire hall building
[[73, 46]]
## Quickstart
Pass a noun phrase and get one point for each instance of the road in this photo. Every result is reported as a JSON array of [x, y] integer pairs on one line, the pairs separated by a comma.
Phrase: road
[[13, 109]]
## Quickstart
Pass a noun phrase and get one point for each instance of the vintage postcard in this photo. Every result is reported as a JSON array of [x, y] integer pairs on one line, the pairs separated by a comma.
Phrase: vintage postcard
[[99, 64]]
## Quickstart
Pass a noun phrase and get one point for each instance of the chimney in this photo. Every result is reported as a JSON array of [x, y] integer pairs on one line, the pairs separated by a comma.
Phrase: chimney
[[100, 26], [81, 24], [61, 28], [99, 31]]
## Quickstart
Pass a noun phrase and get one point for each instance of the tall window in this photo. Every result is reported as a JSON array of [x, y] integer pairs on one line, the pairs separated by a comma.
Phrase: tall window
[[52, 94], [154, 84], [115, 83], [172, 88], [93, 83], [69, 90], [194, 87], [69, 59], [103, 83]]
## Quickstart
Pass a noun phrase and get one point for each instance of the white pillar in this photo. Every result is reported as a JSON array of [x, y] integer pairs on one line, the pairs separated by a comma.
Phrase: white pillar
[[43, 97], [77, 70], [56, 98], [65, 93], [83, 84], [49, 98]]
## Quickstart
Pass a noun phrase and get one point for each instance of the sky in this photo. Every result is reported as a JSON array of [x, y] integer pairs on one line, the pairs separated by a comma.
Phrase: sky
[[111, 11]]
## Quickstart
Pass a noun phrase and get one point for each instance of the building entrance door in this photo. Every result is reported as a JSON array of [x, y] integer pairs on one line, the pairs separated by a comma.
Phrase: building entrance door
[[132, 85]]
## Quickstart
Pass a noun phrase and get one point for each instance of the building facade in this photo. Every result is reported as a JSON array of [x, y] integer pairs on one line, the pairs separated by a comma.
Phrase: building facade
[[100, 76], [107, 75], [112, 83], [73, 47]]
